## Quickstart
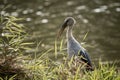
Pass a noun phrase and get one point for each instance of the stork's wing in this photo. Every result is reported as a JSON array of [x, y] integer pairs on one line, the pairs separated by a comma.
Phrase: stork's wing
[[85, 58]]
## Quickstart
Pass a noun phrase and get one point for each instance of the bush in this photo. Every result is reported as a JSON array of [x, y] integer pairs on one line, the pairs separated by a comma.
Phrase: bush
[[12, 45]]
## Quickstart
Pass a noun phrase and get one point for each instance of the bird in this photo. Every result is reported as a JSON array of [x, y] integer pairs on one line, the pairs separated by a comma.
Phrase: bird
[[74, 48]]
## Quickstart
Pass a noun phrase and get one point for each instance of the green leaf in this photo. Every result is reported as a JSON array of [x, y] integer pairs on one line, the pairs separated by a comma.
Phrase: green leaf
[[85, 36], [13, 77]]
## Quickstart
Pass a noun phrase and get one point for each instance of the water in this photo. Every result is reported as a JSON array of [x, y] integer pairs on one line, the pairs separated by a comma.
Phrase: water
[[43, 18]]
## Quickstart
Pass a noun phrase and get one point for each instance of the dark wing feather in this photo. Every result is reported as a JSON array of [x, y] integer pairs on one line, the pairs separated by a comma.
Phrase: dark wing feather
[[85, 57]]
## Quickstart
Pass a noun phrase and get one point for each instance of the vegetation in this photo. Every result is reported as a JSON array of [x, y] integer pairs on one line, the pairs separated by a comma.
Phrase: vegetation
[[12, 45], [16, 66]]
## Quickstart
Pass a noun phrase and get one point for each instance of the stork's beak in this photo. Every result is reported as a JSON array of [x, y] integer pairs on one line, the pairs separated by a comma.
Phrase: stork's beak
[[62, 28]]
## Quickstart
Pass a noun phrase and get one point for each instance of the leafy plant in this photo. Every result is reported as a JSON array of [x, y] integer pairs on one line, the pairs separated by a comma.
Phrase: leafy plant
[[12, 45]]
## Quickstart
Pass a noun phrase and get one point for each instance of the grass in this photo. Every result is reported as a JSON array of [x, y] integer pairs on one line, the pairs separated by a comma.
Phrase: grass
[[14, 65]]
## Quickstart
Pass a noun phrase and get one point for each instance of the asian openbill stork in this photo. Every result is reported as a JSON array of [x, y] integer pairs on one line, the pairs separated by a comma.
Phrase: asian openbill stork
[[74, 48]]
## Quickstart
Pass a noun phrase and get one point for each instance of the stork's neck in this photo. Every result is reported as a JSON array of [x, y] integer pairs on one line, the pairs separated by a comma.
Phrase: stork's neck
[[69, 33]]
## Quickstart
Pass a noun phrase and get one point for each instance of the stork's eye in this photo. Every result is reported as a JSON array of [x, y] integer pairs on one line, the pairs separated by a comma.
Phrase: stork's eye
[[70, 23]]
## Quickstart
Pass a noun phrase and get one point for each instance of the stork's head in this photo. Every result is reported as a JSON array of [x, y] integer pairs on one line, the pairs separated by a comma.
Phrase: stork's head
[[68, 22]]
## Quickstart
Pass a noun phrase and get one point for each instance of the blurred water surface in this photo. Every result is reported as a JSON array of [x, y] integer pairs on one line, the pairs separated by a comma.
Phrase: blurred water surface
[[43, 18]]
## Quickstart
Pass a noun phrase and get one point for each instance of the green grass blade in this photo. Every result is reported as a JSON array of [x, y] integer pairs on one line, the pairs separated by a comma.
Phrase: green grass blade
[[85, 36]]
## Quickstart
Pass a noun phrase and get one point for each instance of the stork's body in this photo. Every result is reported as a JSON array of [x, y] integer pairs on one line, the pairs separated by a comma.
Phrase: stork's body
[[75, 49], [73, 46]]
